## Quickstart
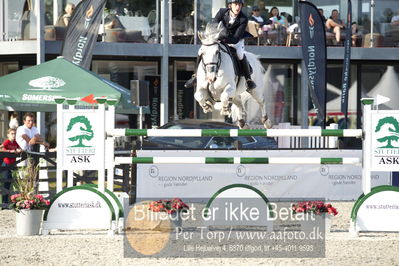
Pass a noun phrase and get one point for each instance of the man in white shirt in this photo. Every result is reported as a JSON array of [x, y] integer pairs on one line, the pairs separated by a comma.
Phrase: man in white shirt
[[27, 135], [395, 19]]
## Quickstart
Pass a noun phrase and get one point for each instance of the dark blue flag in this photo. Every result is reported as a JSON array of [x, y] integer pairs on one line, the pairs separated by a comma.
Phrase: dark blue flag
[[314, 54], [82, 31], [346, 69]]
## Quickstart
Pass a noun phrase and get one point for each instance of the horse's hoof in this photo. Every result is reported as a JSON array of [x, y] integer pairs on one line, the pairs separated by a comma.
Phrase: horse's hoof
[[246, 126], [241, 123], [207, 108], [267, 124], [225, 111]]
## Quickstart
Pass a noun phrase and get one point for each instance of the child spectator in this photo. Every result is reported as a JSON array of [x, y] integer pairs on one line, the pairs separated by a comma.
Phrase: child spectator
[[9, 145]]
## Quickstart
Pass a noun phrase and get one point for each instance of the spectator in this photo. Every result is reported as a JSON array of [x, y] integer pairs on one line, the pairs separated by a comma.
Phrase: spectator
[[388, 14], [277, 19], [258, 18], [287, 16], [11, 146], [280, 25], [64, 19], [395, 19], [321, 11], [119, 7], [262, 9], [14, 121], [27, 135], [334, 25]]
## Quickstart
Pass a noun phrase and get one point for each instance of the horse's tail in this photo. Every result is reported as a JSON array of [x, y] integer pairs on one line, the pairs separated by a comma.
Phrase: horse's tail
[[254, 61]]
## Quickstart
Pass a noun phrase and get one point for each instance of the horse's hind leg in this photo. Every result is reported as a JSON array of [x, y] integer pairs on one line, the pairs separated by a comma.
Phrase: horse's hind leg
[[204, 100], [226, 98], [241, 115], [262, 105]]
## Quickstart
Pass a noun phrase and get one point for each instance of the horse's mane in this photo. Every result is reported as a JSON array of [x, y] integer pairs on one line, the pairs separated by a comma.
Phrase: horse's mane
[[211, 33]]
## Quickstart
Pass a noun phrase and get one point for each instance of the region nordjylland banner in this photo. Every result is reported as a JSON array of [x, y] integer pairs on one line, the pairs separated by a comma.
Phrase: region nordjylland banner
[[346, 68], [82, 32], [314, 54]]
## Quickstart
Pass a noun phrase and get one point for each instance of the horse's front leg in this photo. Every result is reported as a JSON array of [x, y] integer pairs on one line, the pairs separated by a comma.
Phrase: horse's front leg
[[204, 100], [226, 99]]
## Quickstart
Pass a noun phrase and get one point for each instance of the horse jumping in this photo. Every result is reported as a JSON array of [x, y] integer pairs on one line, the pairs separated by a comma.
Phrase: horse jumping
[[217, 82]]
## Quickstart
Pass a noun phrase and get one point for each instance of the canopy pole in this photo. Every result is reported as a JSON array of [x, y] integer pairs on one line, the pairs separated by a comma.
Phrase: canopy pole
[[40, 57]]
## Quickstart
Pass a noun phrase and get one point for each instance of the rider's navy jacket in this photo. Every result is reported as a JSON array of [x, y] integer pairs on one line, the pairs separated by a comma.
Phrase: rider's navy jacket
[[235, 31]]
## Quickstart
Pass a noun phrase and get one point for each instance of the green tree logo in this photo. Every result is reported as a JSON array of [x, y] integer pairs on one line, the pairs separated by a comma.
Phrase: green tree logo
[[392, 135], [81, 129]]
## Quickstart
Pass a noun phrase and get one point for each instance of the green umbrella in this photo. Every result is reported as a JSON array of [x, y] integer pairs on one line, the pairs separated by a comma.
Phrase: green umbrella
[[34, 89]]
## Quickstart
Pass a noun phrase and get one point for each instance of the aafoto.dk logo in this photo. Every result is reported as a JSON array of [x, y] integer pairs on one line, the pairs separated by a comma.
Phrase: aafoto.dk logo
[[388, 133], [80, 130]]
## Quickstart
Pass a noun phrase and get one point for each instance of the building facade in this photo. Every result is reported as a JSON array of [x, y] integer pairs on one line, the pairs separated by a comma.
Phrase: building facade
[[157, 39]]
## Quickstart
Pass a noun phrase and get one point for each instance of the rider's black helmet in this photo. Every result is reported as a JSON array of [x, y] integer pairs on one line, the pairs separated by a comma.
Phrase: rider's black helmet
[[235, 1]]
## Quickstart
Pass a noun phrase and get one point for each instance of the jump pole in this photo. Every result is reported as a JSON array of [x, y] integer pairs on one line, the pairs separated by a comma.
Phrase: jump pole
[[236, 132]]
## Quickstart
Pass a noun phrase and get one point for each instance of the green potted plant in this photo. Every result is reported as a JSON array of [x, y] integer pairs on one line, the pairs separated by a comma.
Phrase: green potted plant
[[28, 204]]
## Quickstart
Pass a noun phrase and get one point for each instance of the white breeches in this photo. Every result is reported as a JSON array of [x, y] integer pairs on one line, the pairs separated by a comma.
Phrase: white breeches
[[239, 48]]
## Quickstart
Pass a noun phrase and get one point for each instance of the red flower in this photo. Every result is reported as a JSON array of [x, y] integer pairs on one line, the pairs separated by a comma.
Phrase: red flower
[[317, 207], [168, 206]]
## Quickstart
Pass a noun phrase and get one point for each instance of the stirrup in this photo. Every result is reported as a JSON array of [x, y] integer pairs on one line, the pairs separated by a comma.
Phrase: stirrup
[[250, 85], [190, 83]]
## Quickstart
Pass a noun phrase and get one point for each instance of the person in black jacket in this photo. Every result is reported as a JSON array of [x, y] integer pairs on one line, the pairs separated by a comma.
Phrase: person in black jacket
[[235, 22]]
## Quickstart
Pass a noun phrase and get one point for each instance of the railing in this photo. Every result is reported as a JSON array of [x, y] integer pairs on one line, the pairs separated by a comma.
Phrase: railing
[[47, 166]]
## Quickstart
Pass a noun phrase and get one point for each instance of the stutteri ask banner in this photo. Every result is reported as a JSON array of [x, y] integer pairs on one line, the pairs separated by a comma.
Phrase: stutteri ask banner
[[384, 140], [314, 54], [81, 138], [82, 32]]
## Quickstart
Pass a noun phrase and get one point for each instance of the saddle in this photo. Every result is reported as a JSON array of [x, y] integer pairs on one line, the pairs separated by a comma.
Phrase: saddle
[[238, 70]]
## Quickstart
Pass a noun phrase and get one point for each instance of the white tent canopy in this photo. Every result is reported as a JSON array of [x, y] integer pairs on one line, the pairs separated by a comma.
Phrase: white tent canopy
[[388, 87]]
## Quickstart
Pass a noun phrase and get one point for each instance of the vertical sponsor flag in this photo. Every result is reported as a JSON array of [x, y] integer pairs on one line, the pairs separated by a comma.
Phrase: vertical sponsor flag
[[155, 100], [346, 69], [82, 32], [314, 54]]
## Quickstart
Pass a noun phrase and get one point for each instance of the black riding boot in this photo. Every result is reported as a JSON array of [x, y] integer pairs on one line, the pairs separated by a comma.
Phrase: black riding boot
[[190, 83], [247, 73]]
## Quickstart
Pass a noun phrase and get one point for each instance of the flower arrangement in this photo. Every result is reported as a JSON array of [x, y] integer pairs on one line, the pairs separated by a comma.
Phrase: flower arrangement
[[168, 206], [316, 207], [26, 183], [28, 202]]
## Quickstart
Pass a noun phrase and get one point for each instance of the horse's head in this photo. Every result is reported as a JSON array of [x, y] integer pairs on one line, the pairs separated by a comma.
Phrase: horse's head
[[210, 49]]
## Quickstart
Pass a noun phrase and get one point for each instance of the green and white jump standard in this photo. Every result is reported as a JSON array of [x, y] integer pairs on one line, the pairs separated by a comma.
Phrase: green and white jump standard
[[379, 154]]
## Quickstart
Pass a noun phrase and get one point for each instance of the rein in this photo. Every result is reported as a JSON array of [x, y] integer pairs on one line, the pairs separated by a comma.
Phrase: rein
[[223, 48], [219, 61]]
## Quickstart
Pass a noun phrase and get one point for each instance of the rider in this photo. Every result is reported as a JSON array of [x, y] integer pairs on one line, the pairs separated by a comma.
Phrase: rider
[[235, 22]]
